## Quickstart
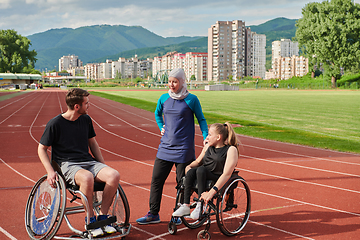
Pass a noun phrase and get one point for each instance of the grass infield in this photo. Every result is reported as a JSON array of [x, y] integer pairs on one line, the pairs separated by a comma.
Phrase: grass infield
[[324, 119]]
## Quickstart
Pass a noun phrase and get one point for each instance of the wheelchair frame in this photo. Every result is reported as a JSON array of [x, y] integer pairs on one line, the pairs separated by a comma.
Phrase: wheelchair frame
[[223, 209], [46, 208]]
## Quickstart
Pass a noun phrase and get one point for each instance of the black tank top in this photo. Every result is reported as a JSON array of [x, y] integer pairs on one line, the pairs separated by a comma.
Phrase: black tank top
[[214, 159]]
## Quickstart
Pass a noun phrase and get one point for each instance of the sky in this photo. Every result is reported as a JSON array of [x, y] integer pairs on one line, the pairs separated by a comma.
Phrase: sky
[[163, 17]]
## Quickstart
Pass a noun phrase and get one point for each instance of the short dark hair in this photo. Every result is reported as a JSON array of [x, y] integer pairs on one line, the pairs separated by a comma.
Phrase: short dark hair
[[75, 96]]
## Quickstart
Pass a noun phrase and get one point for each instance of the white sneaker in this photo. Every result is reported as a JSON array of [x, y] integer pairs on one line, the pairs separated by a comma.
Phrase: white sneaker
[[196, 213], [109, 229], [96, 232], [183, 210]]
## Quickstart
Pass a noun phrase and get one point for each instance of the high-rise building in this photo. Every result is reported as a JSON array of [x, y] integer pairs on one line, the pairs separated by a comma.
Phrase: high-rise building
[[231, 50], [284, 48], [258, 51], [67, 62]]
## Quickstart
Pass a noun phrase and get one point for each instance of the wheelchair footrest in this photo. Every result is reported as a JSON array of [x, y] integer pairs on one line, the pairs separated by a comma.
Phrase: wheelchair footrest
[[99, 224]]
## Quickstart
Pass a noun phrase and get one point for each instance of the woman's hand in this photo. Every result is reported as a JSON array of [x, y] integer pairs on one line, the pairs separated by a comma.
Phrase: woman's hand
[[162, 131], [207, 196]]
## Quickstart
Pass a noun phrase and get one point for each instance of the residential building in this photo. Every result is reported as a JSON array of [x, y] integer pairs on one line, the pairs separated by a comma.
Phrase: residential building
[[284, 48], [288, 67], [231, 51], [105, 70], [145, 68], [118, 68], [196, 65], [76, 71], [92, 71], [67, 62], [193, 64], [258, 51]]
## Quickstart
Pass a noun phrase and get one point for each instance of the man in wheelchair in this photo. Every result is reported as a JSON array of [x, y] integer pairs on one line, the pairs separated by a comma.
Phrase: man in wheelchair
[[70, 136], [216, 162]]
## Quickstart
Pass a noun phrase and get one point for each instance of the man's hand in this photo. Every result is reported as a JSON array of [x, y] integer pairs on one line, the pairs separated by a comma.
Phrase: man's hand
[[52, 177]]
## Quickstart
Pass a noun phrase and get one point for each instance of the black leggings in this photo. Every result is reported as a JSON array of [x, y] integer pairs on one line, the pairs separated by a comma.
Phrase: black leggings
[[201, 174], [161, 171]]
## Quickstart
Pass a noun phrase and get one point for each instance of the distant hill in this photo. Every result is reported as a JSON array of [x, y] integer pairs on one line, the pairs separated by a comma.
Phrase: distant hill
[[94, 42], [101, 42]]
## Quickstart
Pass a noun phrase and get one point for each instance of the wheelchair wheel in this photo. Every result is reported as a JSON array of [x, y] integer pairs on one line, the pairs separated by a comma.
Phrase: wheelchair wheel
[[188, 222], [233, 206], [119, 208], [45, 209]]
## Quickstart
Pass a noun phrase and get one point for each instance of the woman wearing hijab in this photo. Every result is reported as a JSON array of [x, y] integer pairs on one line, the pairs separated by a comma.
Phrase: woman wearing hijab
[[177, 142]]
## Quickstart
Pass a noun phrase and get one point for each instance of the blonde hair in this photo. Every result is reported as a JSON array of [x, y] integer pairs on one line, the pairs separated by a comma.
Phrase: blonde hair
[[228, 134]]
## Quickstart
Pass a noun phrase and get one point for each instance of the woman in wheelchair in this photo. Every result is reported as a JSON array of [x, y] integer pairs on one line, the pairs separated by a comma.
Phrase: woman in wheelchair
[[216, 161]]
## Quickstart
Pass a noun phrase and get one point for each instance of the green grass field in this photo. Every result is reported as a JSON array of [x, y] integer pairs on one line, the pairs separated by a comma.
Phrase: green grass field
[[326, 119]]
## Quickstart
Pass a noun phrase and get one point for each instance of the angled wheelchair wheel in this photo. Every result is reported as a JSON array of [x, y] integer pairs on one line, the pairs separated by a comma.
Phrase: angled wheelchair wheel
[[45, 209], [119, 208], [233, 206], [188, 222]]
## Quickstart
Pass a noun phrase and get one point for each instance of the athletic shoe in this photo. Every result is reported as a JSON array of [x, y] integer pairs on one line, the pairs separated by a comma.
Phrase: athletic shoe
[[94, 232], [108, 228], [148, 219], [177, 221], [183, 210], [196, 213]]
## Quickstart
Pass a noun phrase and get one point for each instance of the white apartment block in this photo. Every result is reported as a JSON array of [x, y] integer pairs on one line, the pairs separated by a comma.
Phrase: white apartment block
[[92, 71], [284, 48], [196, 64], [230, 45], [288, 67], [118, 68], [105, 70], [258, 51], [67, 62], [192, 63]]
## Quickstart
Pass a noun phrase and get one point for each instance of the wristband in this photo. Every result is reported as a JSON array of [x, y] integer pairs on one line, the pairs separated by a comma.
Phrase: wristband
[[215, 188]]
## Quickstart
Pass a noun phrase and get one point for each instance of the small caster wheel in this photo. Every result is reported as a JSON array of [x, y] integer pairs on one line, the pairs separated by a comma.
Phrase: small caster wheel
[[203, 234], [172, 228]]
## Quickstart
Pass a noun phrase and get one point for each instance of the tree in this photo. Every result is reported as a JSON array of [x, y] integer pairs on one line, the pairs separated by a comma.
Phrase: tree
[[15, 55], [329, 34], [193, 77]]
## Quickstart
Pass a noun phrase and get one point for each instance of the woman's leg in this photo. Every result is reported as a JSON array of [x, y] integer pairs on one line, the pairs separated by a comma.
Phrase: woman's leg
[[189, 181], [202, 175], [161, 171]]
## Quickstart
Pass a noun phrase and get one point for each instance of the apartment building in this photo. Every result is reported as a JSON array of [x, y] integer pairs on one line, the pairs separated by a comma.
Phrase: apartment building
[[118, 68], [288, 67], [196, 65], [193, 64], [231, 51], [258, 52], [284, 48], [67, 62], [105, 69], [92, 71]]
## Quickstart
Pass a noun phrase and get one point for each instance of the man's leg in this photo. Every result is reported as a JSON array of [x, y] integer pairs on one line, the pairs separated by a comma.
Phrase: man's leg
[[111, 178], [85, 180]]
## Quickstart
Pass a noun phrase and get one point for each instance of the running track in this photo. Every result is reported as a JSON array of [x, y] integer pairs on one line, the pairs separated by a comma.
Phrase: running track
[[297, 192]]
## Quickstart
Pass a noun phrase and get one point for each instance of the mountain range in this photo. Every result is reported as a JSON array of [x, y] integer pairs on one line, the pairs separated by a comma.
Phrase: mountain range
[[100, 42]]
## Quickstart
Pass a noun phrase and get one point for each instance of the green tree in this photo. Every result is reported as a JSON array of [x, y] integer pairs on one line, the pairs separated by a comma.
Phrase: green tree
[[329, 34], [15, 55], [193, 77]]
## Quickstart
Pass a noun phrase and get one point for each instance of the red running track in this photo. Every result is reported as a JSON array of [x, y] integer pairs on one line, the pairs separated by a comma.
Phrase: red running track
[[297, 192]]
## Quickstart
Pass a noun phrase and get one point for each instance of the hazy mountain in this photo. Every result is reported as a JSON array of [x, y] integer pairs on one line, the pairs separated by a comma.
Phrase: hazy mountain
[[101, 42], [93, 42]]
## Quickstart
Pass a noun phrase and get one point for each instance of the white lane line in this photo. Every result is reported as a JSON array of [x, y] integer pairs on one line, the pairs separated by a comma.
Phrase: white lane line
[[299, 166], [7, 234], [306, 203], [300, 181], [302, 155], [26, 95]]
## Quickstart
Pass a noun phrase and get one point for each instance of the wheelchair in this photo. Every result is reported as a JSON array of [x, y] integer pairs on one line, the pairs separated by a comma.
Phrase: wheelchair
[[46, 208], [232, 207]]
